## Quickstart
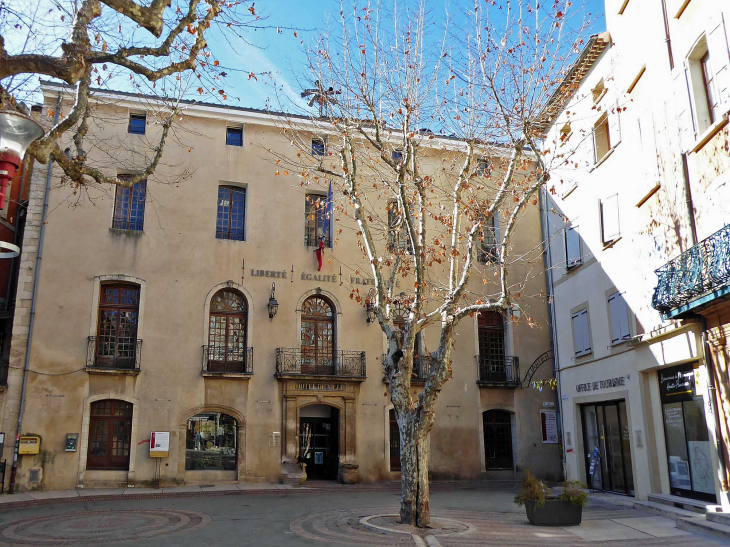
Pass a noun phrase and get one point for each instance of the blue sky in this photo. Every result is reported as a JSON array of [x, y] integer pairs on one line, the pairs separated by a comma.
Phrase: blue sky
[[281, 54]]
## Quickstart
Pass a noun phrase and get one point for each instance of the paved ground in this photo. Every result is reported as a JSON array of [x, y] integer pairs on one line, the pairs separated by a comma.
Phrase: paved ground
[[466, 515]]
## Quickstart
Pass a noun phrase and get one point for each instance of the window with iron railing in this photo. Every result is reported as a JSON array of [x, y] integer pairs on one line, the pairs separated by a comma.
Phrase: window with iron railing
[[116, 340], [129, 207], [231, 214]]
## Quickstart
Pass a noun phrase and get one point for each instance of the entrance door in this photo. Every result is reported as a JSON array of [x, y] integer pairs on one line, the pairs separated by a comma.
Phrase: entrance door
[[607, 447], [319, 444], [687, 439], [394, 442], [497, 439]]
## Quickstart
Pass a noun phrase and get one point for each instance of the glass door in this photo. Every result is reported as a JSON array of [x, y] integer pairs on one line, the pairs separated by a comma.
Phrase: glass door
[[607, 447]]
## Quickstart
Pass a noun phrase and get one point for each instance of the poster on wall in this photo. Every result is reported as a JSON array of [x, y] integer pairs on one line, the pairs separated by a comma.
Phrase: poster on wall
[[549, 423]]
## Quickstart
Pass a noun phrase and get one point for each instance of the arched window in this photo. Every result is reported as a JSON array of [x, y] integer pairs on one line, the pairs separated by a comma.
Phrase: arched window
[[498, 439], [318, 336], [116, 341], [210, 442], [110, 434], [227, 332]]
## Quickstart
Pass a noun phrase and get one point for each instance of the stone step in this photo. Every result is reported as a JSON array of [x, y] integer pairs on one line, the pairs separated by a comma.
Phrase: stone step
[[663, 510], [685, 503], [704, 526], [720, 518]]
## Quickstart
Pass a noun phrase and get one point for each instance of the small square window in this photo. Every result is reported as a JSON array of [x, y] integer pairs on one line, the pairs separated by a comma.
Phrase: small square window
[[397, 155], [234, 136], [484, 167], [318, 147], [601, 139], [137, 124], [565, 133], [598, 92]]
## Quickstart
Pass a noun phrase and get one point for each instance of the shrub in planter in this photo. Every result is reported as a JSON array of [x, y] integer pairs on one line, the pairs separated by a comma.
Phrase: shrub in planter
[[544, 509]]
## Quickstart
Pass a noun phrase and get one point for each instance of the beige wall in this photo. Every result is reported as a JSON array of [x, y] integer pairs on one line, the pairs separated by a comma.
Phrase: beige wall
[[180, 264]]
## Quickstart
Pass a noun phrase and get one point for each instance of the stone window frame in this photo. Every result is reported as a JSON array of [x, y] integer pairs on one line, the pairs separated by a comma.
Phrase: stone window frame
[[122, 278], [249, 301]]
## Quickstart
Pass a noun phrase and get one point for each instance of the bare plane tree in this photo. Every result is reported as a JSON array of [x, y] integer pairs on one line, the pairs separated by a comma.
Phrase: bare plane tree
[[159, 48], [428, 138]]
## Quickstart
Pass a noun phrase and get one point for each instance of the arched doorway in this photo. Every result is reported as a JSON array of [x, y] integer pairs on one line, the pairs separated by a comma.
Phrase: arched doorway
[[227, 332], [318, 336], [497, 439], [211, 442], [319, 441]]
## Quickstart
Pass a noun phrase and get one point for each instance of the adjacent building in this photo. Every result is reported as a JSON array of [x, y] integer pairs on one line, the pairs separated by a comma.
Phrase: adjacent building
[[639, 227], [155, 356]]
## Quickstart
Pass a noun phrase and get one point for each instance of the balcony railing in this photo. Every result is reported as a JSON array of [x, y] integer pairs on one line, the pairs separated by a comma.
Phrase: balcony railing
[[498, 371], [698, 275], [4, 367], [420, 368], [114, 354], [227, 360], [309, 362]]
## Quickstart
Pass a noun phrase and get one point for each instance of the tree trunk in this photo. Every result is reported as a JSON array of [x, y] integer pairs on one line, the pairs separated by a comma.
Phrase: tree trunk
[[415, 508]]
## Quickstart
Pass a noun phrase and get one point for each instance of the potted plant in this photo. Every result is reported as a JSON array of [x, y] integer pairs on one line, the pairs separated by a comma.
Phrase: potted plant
[[545, 509]]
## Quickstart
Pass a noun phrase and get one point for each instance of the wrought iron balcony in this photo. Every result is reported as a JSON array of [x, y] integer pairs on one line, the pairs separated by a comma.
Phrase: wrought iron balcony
[[697, 276], [114, 355], [4, 367], [309, 362], [227, 360], [498, 371], [420, 369]]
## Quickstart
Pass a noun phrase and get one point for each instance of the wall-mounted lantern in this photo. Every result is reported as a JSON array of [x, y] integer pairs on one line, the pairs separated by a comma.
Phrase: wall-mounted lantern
[[370, 307], [17, 132], [273, 304]]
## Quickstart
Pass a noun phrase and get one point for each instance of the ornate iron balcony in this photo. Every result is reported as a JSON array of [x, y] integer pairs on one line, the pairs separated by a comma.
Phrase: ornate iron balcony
[[310, 362], [498, 371], [4, 367], [114, 354], [227, 360], [698, 275], [421, 366]]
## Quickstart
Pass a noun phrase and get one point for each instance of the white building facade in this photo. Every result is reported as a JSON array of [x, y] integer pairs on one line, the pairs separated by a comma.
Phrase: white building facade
[[629, 141]]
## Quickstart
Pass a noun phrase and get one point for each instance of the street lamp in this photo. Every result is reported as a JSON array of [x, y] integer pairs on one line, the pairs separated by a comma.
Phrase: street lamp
[[273, 304], [17, 132]]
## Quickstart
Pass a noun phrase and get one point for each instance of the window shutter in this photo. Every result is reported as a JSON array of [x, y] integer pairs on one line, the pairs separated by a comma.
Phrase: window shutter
[[572, 247], [717, 45], [648, 147], [683, 106], [595, 148], [614, 126], [581, 338], [609, 219], [623, 317], [614, 312]]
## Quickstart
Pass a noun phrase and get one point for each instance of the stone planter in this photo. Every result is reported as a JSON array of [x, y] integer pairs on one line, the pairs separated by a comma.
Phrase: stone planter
[[555, 512]]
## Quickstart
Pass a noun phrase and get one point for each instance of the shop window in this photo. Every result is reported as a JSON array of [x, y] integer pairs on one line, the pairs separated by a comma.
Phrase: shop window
[[581, 333], [619, 313], [573, 255], [129, 207], [137, 124], [110, 435], [318, 336], [610, 226], [488, 252], [210, 442], [319, 148], [234, 136], [227, 332], [231, 215], [493, 365], [116, 340], [315, 216]]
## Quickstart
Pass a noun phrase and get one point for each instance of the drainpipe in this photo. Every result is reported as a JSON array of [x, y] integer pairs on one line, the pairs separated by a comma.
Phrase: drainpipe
[[547, 260], [667, 38], [49, 171], [714, 403], [688, 200]]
